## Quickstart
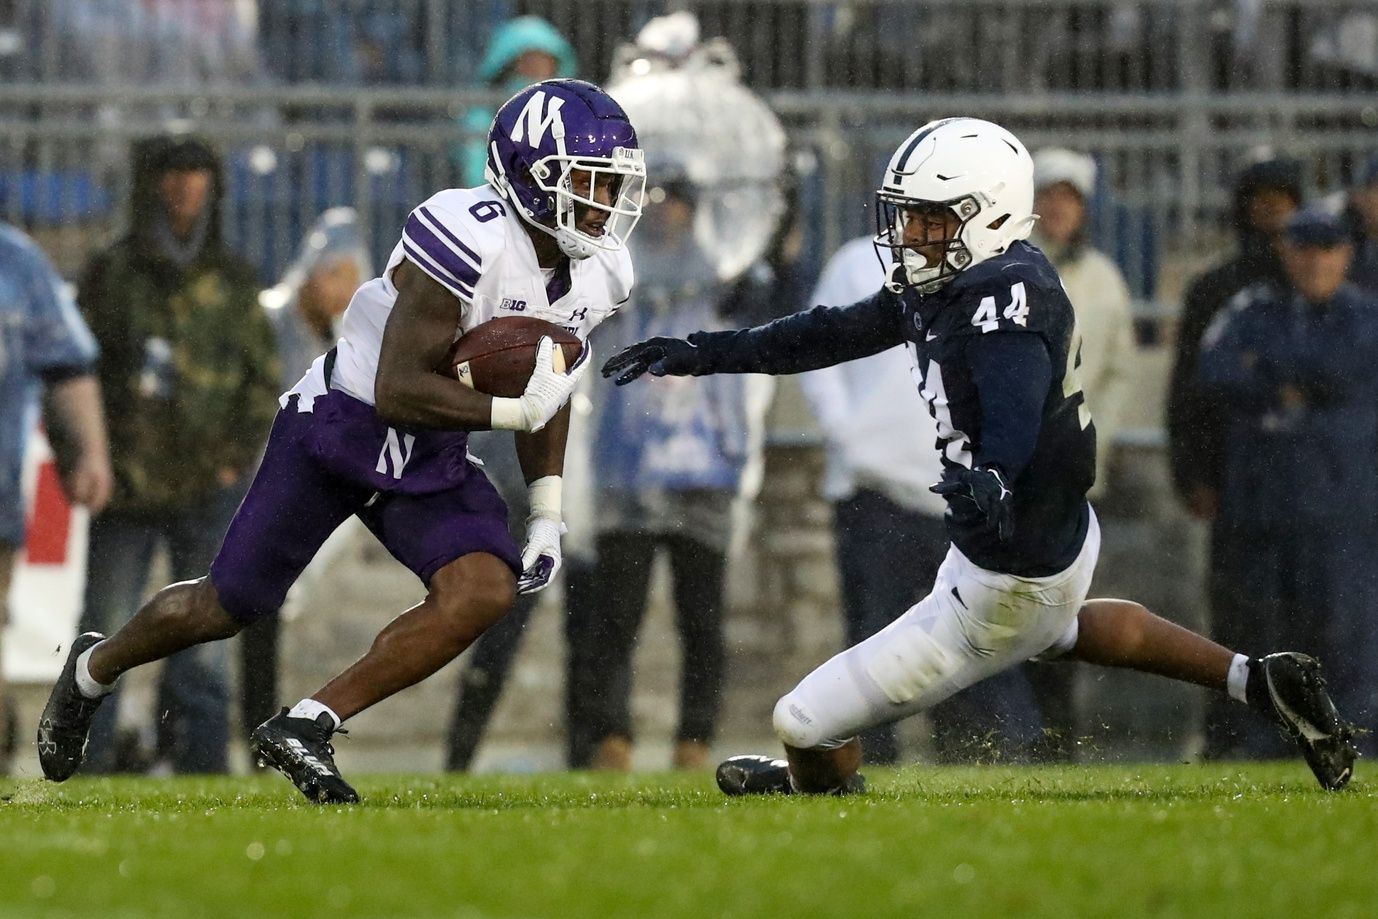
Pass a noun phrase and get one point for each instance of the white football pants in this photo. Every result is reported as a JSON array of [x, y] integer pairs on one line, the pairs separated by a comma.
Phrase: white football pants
[[975, 623]]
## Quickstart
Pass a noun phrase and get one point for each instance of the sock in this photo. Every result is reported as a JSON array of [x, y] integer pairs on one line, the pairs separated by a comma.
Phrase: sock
[[1238, 678], [86, 684], [310, 709]]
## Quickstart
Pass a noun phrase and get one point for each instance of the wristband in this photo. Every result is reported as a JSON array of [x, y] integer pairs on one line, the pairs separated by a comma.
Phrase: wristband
[[507, 415], [544, 496]]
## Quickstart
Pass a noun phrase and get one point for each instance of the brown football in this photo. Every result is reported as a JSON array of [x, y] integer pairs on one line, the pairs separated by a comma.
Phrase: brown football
[[498, 356]]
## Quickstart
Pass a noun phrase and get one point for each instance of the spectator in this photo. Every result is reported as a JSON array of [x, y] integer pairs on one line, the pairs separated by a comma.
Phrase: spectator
[[303, 308], [1266, 195], [1064, 183], [1361, 207], [1294, 362], [881, 461], [189, 377], [668, 462], [523, 51], [43, 345], [485, 671]]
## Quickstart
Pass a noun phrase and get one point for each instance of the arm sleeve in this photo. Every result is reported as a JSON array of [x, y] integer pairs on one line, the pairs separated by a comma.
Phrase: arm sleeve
[[440, 245], [1012, 373], [820, 337], [58, 345], [1195, 426]]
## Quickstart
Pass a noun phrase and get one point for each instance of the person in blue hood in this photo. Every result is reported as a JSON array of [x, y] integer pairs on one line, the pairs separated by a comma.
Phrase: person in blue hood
[[523, 51]]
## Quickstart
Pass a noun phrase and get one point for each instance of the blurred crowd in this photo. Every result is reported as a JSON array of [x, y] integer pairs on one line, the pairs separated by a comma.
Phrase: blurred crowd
[[158, 378]]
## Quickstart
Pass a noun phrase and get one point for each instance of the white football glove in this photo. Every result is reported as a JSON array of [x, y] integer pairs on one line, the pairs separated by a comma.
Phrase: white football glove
[[546, 392], [541, 557]]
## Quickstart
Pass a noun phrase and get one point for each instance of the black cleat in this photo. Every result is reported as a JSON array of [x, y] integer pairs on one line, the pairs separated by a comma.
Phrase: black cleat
[[751, 774], [1296, 699], [65, 725], [300, 749]]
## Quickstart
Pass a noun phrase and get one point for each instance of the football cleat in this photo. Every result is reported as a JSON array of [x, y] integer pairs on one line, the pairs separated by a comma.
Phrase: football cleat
[[65, 726], [752, 774], [1297, 700], [300, 749]]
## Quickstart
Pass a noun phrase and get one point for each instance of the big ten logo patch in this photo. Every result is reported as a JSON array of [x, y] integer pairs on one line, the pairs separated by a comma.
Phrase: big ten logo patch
[[516, 306]]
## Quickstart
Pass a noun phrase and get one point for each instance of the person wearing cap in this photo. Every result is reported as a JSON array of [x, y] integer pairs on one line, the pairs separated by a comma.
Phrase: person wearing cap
[[523, 51], [189, 379], [1266, 195], [1293, 361], [1064, 185]]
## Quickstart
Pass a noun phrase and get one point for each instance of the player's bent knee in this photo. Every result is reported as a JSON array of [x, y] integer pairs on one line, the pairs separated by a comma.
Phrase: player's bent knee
[[474, 592], [194, 608], [795, 724]]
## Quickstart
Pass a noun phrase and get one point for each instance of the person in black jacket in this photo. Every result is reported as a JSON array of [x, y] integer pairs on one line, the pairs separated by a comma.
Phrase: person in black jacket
[[1266, 195]]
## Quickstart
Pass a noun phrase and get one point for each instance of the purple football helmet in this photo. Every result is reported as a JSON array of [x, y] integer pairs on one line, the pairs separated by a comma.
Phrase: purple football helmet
[[550, 130]]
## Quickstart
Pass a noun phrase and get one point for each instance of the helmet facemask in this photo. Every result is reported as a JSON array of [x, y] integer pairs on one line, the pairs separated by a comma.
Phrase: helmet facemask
[[624, 172], [924, 259]]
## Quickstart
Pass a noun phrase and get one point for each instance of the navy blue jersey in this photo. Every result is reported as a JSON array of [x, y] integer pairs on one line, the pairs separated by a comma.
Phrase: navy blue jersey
[[996, 356]]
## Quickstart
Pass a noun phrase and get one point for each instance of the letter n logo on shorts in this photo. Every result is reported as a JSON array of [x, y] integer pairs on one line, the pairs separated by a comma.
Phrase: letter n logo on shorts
[[396, 453]]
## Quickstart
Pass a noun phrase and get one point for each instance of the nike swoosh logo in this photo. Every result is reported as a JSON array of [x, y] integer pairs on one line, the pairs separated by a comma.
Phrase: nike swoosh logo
[[929, 337], [1304, 727]]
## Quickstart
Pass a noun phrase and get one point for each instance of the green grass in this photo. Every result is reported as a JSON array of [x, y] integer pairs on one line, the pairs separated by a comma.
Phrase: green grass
[[1256, 840]]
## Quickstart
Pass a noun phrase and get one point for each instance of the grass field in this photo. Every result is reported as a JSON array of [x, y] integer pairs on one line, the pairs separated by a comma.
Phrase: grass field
[[1255, 840]]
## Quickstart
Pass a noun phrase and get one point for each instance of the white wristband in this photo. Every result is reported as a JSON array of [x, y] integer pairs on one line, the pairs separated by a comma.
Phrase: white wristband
[[544, 496], [507, 415]]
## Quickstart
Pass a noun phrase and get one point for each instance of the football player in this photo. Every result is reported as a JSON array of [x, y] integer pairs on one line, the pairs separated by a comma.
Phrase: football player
[[995, 354], [377, 428]]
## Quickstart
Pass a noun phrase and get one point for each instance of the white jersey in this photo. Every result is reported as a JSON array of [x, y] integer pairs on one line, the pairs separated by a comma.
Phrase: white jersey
[[471, 242]]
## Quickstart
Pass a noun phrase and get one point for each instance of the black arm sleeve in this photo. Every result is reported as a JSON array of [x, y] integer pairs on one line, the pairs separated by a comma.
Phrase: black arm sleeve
[[820, 337], [1012, 373]]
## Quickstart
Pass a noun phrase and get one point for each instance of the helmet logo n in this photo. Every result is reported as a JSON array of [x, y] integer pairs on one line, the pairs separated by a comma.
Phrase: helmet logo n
[[537, 116]]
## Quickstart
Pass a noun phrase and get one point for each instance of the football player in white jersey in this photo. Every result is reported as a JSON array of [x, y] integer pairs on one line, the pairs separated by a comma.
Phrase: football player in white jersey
[[378, 428]]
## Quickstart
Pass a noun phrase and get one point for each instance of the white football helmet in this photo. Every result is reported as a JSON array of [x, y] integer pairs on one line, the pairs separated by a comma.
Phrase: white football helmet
[[976, 169]]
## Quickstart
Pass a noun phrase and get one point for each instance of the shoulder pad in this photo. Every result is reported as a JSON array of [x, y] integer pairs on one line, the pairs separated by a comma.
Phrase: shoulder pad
[[455, 235], [1017, 292]]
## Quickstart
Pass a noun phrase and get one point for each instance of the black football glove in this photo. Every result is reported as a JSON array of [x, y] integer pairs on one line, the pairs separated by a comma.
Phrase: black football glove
[[657, 356], [985, 487]]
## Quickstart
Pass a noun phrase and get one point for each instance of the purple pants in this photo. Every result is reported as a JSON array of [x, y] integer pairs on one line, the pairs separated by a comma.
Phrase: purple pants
[[415, 490]]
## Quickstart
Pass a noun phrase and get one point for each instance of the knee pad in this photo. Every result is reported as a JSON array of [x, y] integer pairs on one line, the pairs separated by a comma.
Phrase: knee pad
[[909, 661]]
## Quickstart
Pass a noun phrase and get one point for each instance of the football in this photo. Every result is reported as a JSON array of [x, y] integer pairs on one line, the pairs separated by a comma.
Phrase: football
[[498, 356]]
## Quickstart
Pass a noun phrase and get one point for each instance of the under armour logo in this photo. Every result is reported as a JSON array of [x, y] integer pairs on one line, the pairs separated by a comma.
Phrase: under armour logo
[[46, 744], [395, 453], [540, 113], [579, 315]]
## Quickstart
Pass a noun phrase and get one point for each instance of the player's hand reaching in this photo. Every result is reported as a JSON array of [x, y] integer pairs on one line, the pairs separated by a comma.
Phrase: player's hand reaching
[[657, 356], [546, 392], [985, 487], [541, 556]]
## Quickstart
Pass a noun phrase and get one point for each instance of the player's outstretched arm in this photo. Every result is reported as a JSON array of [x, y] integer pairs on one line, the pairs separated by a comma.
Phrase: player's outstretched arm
[[820, 337], [409, 389]]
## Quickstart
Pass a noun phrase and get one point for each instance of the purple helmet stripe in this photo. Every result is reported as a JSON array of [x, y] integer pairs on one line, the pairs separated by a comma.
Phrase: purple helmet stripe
[[445, 257], [459, 244], [436, 272]]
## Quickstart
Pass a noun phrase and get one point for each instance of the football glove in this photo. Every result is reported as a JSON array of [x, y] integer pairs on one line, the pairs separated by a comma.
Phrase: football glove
[[984, 487], [541, 556], [546, 392], [657, 356]]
